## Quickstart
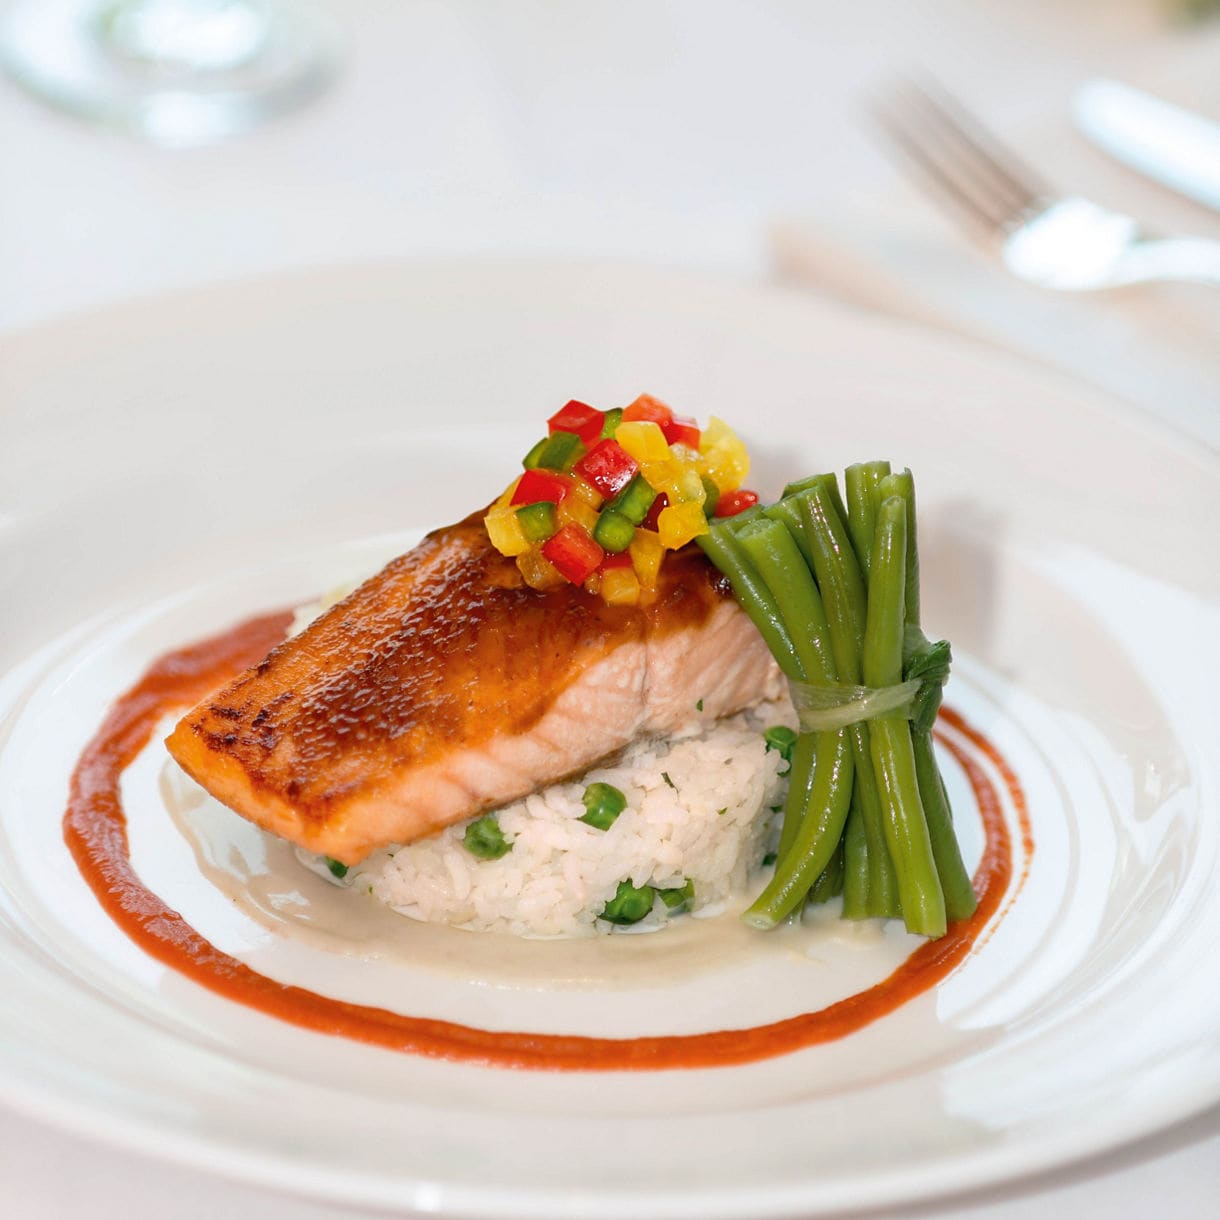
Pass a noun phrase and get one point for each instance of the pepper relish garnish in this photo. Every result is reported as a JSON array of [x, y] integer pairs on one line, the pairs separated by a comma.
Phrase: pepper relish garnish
[[606, 493]]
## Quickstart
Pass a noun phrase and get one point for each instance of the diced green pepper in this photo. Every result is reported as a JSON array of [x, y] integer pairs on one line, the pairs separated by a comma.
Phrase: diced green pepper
[[603, 803], [613, 532], [530, 461], [485, 839], [614, 417], [711, 496], [629, 904], [678, 899], [337, 867], [537, 521], [561, 451], [634, 501]]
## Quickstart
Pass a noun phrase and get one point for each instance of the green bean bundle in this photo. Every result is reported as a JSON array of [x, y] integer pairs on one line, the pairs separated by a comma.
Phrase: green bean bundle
[[834, 589]]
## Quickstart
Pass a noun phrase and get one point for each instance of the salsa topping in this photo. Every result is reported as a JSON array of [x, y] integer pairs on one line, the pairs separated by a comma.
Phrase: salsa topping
[[605, 494]]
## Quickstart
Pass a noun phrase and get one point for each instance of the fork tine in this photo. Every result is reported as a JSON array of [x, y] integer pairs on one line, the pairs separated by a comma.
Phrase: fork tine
[[1007, 170], [977, 208], [957, 156]]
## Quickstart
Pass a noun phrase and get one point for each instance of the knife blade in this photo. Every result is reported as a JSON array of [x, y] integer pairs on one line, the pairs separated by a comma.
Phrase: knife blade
[[1179, 149]]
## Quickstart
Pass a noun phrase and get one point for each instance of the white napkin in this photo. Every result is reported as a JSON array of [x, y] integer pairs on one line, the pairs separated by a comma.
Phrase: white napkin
[[1156, 346]]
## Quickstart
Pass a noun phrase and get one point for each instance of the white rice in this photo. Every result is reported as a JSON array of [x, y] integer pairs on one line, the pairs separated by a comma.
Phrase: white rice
[[702, 808]]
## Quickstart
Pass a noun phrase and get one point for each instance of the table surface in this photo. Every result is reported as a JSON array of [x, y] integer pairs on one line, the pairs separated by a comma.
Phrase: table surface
[[671, 132]]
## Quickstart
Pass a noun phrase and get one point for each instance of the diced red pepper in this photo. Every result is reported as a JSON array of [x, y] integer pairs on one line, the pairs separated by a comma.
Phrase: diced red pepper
[[621, 560], [576, 416], [573, 553], [650, 522], [608, 467], [682, 430], [648, 408], [734, 502], [538, 485]]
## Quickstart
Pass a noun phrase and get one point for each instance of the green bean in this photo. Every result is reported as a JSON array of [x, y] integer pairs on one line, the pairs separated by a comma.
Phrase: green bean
[[861, 482], [827, 483], [902, 485], [960, 899], [843, 595], [742, 519], [800, 791], [830, 880], [820, 783], [816, 837], [906, 829], [720, 545], [838, 576], [771, 549], [786, 513], [855, 864]]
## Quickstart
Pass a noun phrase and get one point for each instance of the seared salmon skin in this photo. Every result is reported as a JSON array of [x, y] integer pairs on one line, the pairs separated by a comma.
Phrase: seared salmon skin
[[444, 686]]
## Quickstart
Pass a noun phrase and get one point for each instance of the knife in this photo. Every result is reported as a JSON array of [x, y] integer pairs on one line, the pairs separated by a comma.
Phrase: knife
[[1166, 143]]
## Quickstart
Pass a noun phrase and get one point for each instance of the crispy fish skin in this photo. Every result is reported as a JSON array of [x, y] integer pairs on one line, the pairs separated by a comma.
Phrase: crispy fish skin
[[444, 686]]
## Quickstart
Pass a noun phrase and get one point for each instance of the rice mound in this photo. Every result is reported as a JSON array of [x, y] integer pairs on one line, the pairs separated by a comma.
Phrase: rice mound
[[702, 808]]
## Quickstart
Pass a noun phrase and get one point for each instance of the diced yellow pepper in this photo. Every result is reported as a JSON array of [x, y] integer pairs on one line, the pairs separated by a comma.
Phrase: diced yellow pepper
[[690, 487], [504, 530], [725, 459], [585, 492], [573, 510], [643, 440], [679, 523], [661, 476], [646, 554], [620, 587], [680, 481], [539, 572]]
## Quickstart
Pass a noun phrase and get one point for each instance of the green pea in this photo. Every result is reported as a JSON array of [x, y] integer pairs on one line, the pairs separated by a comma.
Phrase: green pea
[[603, 803], [485, 839], [679, 898], [781, 738], [629, 904]]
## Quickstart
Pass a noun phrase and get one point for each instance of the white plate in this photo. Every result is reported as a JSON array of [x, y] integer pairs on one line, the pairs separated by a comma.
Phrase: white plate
[[169, 467]]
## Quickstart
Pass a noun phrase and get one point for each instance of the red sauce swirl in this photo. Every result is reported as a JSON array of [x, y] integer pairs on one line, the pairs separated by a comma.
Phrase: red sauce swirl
[[95, 830]]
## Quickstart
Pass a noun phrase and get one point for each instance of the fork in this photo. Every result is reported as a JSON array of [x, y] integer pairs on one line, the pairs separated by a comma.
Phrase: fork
[[1053, 241]]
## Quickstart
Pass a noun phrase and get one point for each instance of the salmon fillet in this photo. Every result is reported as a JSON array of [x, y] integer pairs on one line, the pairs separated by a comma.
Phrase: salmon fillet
[[444, 686]]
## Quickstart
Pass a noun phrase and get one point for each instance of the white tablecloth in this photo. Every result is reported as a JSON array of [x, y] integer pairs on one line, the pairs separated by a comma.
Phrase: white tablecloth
[[663, 131]]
